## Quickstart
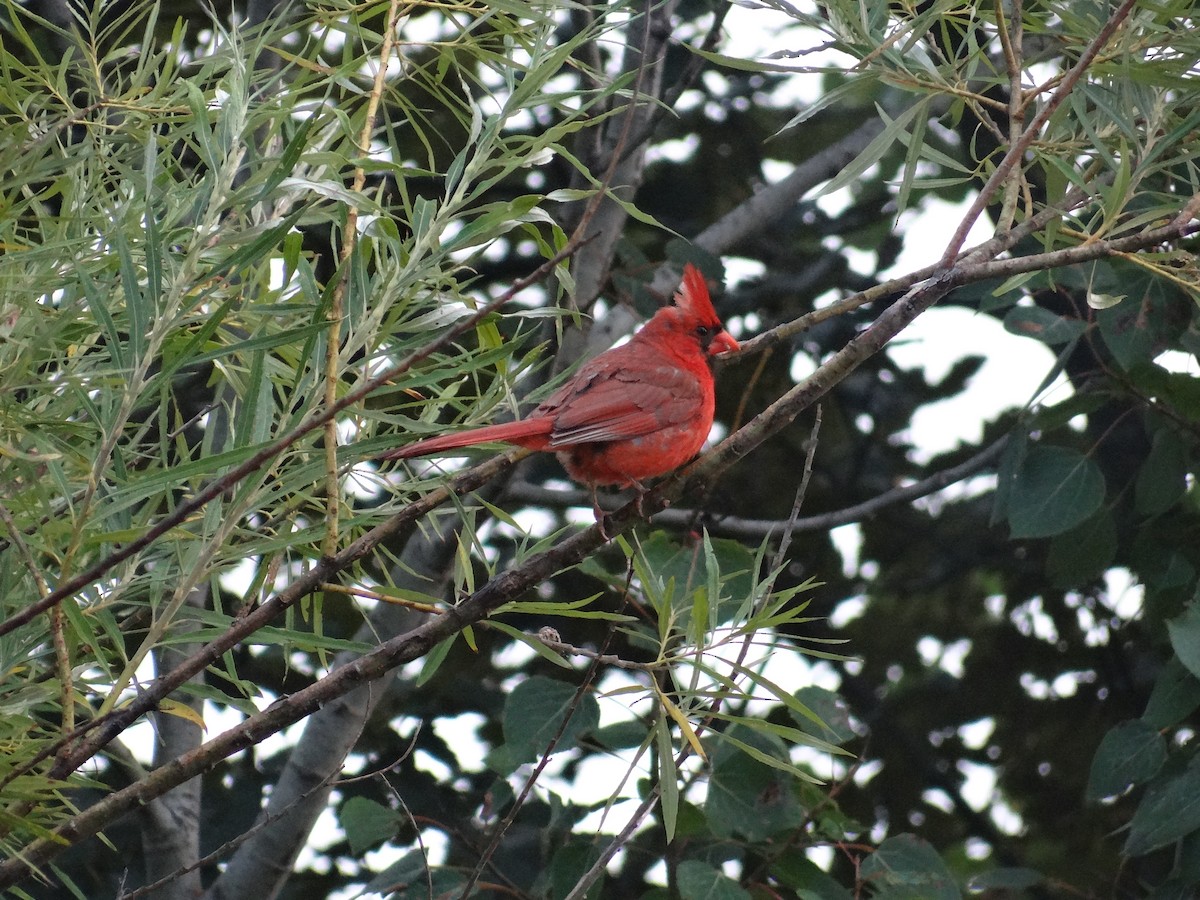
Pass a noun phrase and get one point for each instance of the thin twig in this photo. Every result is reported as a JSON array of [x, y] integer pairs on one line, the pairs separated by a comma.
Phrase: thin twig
[[1016, 152], [1011, 45], [786, 538], [333, 341], [860, 511]]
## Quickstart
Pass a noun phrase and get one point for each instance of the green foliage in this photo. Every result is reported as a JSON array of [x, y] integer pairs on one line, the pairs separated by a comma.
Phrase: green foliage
[[1053, 491], [1132, 753], [367, 823], [1167, 812], [538, 714], [907, 868]]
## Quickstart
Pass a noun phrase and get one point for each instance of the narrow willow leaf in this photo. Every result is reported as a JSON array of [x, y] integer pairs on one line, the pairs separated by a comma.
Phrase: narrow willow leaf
[[138, 307], [182, 711], [746, 65], [434, 659], [860, 86], [285, 163], [769, 760], [668, 783], [261, 247], [685, 727], [916, 146], [874, 151]]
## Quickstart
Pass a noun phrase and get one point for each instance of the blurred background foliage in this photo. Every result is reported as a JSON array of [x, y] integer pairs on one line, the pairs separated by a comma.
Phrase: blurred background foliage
[[1010, 658]]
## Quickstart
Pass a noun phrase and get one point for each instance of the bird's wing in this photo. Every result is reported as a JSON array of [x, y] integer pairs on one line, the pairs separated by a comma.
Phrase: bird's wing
[[618, 403]]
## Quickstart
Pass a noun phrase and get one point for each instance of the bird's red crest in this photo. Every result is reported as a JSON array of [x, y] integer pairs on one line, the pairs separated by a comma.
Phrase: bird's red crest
[[692, 296]]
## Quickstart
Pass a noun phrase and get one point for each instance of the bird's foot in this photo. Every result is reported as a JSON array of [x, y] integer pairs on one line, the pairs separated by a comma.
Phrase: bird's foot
[[638, 498], [600, 516]]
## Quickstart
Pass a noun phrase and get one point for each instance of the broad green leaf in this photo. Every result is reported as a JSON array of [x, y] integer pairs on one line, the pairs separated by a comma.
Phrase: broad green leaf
[[408, 878], [699, 567], [620, 735], [1084, 552], [1185, 637], [907, 868], [1056, 415], [1042, 325], [367, 823], [534, 714], [700, 881], [1187, 864], [1054, 490], [1175, 888], [1162, 478], [1127, 334], [809, 880], [570, 863], [1129, 754], [1180, 389], [746, 796], [1175, 696], [769, 759], [1169, 810], [1011, 460], [793, 702]]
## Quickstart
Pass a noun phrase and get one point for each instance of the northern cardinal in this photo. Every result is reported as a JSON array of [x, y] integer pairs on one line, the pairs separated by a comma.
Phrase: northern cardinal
[[631, 413]]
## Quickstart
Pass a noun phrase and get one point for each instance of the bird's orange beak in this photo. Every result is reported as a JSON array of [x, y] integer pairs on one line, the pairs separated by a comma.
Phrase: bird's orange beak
[[723, 342]]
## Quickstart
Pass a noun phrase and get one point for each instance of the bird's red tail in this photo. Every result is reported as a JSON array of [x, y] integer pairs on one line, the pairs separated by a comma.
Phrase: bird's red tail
[[530, 433]]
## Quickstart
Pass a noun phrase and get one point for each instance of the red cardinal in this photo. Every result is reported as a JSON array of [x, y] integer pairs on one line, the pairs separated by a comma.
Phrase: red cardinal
[[633, 412]]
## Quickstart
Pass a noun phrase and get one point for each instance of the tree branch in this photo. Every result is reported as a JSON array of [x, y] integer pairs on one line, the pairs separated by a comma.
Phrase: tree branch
[[1016, 152]]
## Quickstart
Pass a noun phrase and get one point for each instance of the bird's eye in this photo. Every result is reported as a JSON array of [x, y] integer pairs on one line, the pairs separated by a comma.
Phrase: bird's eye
[[704, 331]]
